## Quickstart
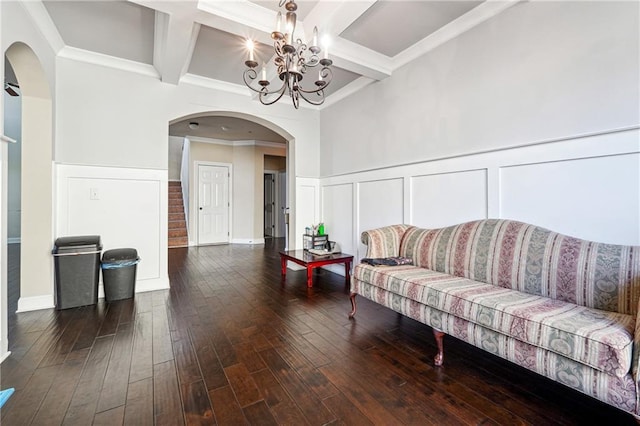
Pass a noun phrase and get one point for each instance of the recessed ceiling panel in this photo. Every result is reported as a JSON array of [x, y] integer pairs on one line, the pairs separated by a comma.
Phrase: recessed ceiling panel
[[304, 7], [115, 28], [221, 56], [341, 78], [389, 27]]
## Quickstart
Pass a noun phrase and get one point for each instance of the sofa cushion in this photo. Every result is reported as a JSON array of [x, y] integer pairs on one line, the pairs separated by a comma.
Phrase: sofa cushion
[[600, 339], [531, 259]]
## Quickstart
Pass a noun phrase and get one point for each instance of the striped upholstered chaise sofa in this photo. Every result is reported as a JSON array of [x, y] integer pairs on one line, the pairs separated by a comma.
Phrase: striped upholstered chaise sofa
[[563, 307]]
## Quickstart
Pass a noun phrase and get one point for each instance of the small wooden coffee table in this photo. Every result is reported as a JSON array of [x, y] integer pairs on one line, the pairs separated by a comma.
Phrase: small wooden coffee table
[[310, 261]]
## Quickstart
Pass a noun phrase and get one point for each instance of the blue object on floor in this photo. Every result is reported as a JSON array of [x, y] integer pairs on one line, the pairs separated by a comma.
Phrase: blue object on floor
[[5, 394]]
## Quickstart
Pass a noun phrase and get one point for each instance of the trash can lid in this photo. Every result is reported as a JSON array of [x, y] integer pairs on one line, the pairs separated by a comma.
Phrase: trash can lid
[[119, 255], [81, 241]]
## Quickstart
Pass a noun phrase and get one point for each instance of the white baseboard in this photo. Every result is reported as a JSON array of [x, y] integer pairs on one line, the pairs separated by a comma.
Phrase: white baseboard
[[153, 284], [247, 241], [35, 303], [143, 286], [4, 356], [14, 240]]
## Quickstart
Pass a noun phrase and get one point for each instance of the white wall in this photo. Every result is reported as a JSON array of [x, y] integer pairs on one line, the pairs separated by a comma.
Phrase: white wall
[[585, 187], [126, 207], [538, 71], [532, 115], [247, 161]]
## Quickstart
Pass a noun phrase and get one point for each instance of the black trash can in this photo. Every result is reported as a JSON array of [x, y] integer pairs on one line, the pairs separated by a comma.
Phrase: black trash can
[[119, 273], [77, 270]]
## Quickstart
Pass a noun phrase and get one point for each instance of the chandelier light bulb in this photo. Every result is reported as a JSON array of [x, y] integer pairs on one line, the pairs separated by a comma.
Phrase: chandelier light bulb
[[250, 46]]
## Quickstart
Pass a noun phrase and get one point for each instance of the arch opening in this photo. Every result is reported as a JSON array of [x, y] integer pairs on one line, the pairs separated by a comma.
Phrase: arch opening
[[235, 149], [36, 192]]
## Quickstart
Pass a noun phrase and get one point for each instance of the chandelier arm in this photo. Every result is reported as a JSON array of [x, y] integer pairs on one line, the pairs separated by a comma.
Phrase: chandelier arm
[[327, 76], [312, 102], [265, 93]]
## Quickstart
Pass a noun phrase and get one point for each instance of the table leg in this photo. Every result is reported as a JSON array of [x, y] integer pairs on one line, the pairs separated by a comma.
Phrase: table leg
[[347, 271], [283, 263], [309, 276]]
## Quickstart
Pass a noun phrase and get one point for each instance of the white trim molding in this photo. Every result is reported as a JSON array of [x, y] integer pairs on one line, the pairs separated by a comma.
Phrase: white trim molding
[[35, 303], [254, 241]]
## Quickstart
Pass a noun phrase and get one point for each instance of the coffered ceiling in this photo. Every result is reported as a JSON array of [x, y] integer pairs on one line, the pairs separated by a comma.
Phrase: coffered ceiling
[[203, 41]]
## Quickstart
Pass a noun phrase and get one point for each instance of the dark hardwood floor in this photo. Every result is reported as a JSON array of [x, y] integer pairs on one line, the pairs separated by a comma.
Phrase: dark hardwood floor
[[232, 343]]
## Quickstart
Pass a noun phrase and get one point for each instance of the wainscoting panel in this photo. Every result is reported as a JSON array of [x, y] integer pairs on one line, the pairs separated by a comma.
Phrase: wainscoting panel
[[587, 186], [126, 207], [448, 198], [307, 207], [337, 215], [380, 203], [595, 198]]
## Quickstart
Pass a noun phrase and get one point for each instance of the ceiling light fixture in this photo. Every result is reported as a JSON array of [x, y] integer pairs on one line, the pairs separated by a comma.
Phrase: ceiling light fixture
[[194, 125], [293, 60]]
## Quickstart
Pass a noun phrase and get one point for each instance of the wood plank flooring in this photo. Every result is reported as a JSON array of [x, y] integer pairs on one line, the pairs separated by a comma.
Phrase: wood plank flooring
[[232, 343]]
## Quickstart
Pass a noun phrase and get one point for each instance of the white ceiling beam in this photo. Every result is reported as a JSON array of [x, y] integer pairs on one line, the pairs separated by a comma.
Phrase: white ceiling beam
[[359, 59], [234, 17], [43, 21], [175, 39], [332, 18]]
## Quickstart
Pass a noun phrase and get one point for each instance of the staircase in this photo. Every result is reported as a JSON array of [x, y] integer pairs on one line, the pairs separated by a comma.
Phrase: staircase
[[177, 223]]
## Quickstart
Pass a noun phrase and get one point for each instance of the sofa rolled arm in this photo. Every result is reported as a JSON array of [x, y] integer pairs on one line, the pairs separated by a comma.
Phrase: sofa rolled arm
[[383, 242]]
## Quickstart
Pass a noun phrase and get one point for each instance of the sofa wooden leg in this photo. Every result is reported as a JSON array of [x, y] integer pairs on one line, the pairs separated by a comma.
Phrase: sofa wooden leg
[[439, 359], [352, 297]]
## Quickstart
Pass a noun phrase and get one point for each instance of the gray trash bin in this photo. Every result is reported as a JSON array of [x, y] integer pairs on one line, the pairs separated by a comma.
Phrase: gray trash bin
[[77, 270], [119, 273]]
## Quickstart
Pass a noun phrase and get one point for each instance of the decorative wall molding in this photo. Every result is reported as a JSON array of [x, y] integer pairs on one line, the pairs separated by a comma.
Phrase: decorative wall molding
[[130, 210], [237, 143], [567, 179]]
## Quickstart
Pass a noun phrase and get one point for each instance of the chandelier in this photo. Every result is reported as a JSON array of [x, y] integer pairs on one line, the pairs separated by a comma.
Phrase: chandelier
[[294, 60]]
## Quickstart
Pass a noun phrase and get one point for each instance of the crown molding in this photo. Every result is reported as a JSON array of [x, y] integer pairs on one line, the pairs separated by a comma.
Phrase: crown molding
[[348, 90], [210, 83], [236, 143], [81, 55]]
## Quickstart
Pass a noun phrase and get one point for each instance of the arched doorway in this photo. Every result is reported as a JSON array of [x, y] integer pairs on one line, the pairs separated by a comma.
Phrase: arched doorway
[[194, 127], [36, 204]]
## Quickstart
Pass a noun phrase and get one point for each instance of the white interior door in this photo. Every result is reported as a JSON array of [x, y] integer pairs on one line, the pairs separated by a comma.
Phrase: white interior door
[[213, 204]]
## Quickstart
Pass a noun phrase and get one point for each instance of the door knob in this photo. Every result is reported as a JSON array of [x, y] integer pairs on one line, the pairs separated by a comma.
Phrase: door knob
[[200, 208]]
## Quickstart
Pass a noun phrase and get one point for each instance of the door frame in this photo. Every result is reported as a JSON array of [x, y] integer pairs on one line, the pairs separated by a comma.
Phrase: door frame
[[276, 203], [196, 197]]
